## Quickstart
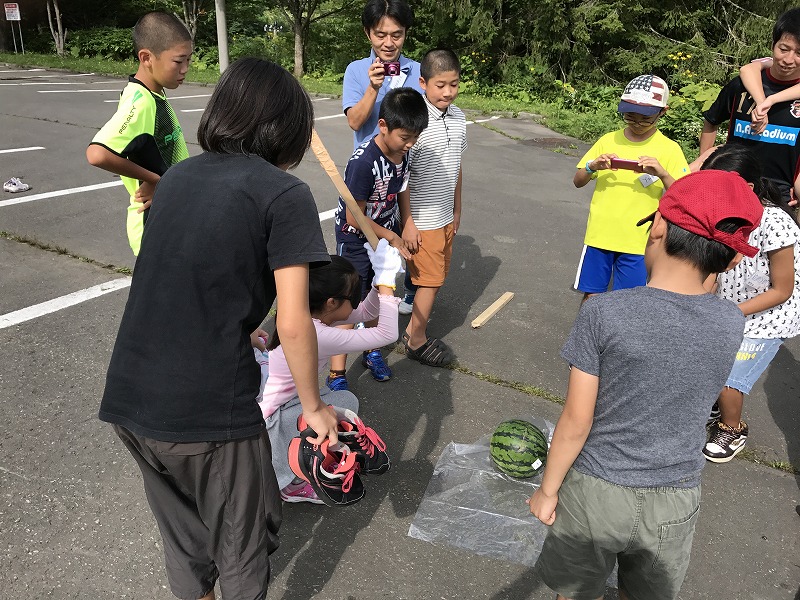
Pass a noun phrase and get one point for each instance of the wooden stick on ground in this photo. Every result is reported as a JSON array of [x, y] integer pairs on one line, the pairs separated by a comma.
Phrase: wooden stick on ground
[[330, 168], [490, 312]]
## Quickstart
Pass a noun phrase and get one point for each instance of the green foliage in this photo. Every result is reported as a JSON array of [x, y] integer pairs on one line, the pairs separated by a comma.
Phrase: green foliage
[[105, 42], [278, 48]]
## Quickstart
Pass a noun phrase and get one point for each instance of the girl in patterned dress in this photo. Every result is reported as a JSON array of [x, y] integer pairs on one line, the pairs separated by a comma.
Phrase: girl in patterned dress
[[767, 290]]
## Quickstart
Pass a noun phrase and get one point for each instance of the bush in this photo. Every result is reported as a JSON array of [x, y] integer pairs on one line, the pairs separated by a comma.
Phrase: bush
[[277, 48], [105, 42]]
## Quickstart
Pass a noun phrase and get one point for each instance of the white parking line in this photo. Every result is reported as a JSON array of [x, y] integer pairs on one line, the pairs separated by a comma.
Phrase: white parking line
[[21, 70], [67, 192], [77, 92], [105, 82], [171, 98], [329, 117], [318, 99], [57, 75], [328, 214], [51, 306], [191, 109], [29, 148]]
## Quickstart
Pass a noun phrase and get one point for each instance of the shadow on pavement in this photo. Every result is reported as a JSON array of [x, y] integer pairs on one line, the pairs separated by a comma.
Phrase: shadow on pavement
[[315, 538], [781, 389]]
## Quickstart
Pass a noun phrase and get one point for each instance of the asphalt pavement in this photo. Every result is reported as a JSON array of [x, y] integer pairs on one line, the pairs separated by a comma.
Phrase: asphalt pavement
[[74, 521]]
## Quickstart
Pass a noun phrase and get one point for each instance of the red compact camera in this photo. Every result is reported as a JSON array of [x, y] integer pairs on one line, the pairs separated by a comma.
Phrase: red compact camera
[[630, 165], [390, 69]]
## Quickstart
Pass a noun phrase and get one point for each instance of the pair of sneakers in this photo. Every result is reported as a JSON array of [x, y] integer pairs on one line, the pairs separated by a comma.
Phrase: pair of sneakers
[[333, 471], [372, 360], [14, 185]]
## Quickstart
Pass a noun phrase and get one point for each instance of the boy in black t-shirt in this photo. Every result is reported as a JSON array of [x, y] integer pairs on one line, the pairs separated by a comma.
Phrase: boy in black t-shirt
[[375, 174], [778, 144]]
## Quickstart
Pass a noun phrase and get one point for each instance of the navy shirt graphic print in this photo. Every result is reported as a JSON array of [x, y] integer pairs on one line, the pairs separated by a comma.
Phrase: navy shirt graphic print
[[372, 177]]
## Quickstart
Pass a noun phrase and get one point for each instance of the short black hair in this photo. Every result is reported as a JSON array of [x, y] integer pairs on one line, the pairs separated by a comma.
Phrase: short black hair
[[439, 60], [404, 108], [336, 279], [787, 24], [709, 256], [259, 108], [744, 161], [158, 31], [375, 10]]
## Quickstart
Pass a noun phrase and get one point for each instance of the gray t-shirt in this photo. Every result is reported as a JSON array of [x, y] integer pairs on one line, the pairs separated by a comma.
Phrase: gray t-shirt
[[662, 359]]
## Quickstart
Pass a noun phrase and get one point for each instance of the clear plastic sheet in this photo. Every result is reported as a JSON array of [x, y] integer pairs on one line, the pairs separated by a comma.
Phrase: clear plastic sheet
[[471, 505]]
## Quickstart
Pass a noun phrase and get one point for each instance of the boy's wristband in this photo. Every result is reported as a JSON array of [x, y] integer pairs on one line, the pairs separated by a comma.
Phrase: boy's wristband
[[588, 168]]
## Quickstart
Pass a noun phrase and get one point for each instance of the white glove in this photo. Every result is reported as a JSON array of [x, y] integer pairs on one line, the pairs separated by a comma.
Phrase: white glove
[[386, 263]]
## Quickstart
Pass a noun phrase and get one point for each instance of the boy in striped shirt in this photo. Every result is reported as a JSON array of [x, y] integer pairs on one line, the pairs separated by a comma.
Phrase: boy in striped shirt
[[430, 208]]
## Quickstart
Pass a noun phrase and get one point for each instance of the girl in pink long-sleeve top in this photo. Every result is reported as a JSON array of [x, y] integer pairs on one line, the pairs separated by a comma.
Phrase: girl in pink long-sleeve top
[[334, 292]]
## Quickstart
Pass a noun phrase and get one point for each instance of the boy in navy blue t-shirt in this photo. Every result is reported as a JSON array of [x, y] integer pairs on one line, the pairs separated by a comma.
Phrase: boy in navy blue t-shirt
[[375, 174]]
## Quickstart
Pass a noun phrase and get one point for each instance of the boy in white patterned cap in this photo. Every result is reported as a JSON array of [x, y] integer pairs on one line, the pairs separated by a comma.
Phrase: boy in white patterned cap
[[633, 166]]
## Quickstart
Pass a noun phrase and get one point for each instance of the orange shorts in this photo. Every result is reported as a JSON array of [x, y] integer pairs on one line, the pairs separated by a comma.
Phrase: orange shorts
[[429, 266]]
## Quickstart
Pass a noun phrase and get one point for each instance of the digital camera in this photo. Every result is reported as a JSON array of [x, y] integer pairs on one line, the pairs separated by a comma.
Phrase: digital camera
[[390, 69]]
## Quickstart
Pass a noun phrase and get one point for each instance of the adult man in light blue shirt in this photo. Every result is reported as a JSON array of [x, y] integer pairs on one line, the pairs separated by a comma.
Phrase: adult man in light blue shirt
[[365, 82]]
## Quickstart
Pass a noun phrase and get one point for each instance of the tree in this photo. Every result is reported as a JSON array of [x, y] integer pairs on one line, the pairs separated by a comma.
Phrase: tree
[[301, 14], [192, 11], [58, 31]]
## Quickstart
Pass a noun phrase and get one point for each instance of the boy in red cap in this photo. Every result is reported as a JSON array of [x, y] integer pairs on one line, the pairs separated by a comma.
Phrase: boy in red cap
[[626, 191], [622, 482]]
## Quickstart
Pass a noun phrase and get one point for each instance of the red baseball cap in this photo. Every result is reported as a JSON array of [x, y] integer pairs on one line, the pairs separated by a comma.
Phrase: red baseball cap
[[699, 201]]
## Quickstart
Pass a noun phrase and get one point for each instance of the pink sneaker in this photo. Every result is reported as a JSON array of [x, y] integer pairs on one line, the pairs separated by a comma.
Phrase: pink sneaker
[[300, 492]]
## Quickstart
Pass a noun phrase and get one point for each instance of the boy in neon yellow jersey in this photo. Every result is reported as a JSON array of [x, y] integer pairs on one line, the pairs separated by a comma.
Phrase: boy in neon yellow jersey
[[143, 138], [614, 245]]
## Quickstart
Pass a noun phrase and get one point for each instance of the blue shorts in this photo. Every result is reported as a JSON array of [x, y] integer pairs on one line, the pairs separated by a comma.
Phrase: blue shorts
[[752, 360], [597, 268], [357, 255]]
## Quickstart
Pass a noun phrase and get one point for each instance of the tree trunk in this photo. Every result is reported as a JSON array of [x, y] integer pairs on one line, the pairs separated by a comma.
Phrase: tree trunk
[[57, 31], [299, 47]]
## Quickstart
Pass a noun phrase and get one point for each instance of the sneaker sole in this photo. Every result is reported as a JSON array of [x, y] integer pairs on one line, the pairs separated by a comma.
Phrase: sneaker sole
[[298, 499], [724, 459]]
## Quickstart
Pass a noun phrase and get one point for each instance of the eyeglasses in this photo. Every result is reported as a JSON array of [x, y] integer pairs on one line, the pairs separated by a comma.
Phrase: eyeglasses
[[626, 118]]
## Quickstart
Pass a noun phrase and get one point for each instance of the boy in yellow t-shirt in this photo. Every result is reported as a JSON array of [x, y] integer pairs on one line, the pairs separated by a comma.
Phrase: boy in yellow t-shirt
[[633, 166], [143, 138]]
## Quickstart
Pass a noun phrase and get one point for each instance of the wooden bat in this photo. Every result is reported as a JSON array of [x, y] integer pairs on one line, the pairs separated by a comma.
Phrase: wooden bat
[[327, 164]]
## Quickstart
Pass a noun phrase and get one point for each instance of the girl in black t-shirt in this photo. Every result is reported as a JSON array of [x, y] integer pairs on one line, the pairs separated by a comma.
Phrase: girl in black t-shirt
[[228, 232]]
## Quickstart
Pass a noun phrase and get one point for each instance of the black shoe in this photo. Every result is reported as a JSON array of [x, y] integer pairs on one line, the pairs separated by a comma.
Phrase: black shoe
[[725, 442], [369, 448], [331, 470]]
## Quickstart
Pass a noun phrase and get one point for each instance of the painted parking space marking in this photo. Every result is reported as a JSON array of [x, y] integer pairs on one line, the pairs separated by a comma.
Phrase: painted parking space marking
[[45, 308], [328, 214], [21, 70], [56, 193], [28, 149], [329, 117], [192, 109], [171, 98], [50, 306], [77, 92], [55, 75]]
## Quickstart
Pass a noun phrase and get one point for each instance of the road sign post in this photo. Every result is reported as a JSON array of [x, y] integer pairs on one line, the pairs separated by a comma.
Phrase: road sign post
[[12, 14]]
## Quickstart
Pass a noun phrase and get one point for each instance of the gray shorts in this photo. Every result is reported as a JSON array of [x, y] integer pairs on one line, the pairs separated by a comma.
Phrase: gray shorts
[[218, 509], [648, 531]]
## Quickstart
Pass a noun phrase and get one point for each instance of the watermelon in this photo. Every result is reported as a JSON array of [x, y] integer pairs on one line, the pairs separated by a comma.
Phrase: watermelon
[[518, 448]]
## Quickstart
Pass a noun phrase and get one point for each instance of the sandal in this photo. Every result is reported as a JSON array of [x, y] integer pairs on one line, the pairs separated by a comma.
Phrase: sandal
[[434, 352]]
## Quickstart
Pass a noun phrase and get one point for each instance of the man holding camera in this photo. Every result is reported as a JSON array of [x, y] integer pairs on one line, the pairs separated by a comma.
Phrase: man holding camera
[[367, 80]]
